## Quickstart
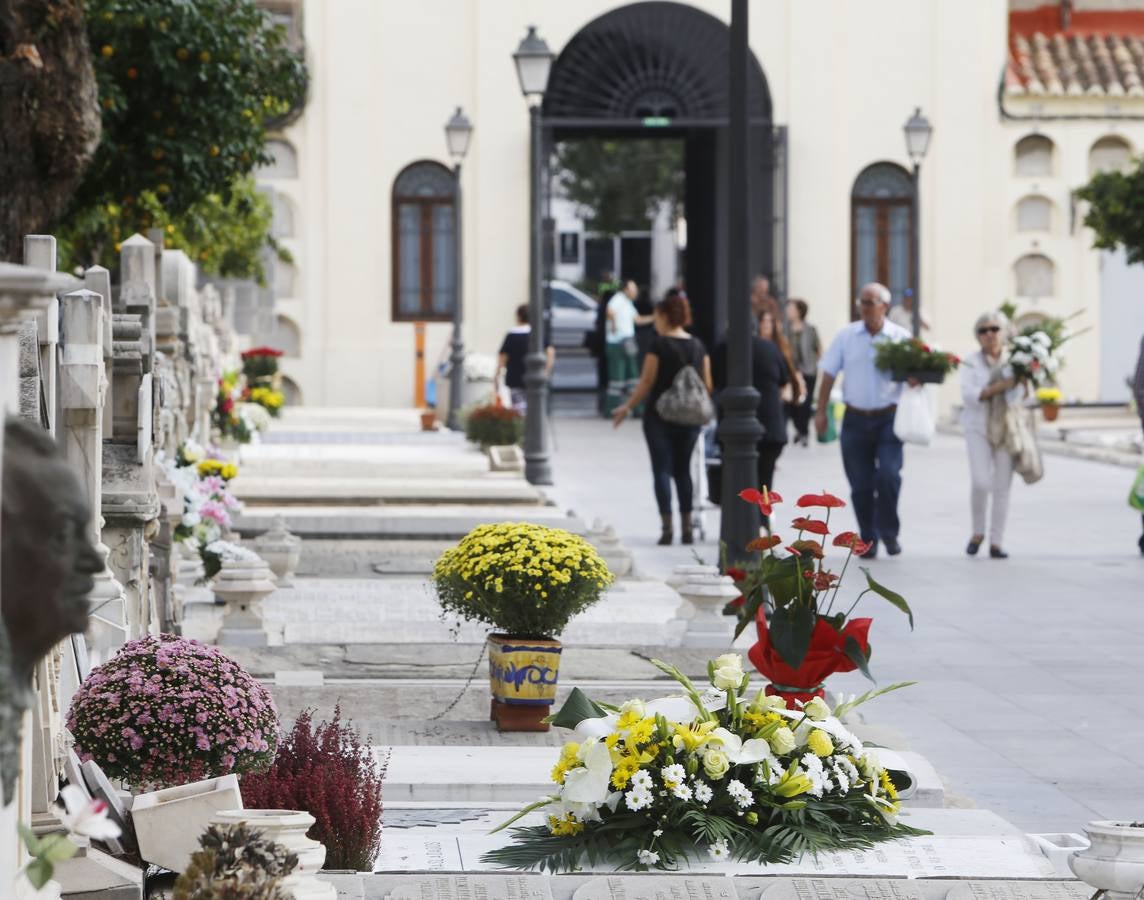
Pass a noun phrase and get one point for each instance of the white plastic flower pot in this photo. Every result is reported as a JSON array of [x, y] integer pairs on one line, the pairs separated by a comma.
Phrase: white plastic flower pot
[[288, 827], [168, 823]]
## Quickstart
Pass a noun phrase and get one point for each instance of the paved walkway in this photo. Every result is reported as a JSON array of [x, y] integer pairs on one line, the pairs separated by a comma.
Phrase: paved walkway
[[1030, 669]]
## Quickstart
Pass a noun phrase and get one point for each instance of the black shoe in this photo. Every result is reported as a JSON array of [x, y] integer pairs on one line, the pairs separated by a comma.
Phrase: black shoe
[[872, 553], [892, 546], [996, 552], [973, 546]]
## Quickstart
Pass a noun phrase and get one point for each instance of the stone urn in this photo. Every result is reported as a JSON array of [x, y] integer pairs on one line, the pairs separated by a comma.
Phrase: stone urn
[[1114, 860], [242, 584], [705, 592], [281, 550], [288, 827], [614, 554]]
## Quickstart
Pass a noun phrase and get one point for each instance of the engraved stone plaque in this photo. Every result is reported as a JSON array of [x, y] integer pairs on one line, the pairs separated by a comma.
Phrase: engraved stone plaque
[[656, 887], [851, 889], [460, 887]]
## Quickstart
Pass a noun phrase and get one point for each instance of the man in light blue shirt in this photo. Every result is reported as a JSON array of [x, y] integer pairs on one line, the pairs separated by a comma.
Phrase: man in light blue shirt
[[620, 345], [871, 452]]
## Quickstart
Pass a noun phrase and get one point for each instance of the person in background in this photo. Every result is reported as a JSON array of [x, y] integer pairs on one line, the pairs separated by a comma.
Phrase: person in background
[[987, 386], [645, 325], [770, 329], [669, 445], [1138, 393], [511, 360], [770, 373], [871, 452], [806, 349], [596, 340], [903, 313], [760, 295], [620, 345]]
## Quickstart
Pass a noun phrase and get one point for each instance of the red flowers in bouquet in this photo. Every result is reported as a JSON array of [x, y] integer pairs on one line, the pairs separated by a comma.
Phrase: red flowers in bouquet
[[792, 600], [261, 351]]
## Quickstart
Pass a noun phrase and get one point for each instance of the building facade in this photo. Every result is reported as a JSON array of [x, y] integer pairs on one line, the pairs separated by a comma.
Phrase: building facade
[[1026, 99]]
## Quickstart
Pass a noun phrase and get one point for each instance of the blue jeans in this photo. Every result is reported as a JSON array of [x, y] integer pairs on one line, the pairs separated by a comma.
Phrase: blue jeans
[[669, 447], [872, 457]]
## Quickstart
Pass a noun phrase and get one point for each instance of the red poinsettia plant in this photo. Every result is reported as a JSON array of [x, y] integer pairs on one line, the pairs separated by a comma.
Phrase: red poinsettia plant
[[804, 632]]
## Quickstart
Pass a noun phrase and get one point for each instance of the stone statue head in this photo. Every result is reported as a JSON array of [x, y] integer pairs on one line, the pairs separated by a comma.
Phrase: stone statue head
[[48, 560]]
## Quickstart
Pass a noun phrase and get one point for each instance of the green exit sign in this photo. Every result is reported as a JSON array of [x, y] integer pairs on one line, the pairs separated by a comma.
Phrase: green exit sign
[[656, 121]]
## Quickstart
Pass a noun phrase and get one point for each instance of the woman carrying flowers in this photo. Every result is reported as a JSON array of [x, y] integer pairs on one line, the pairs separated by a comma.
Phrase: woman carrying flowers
[[989, 388]]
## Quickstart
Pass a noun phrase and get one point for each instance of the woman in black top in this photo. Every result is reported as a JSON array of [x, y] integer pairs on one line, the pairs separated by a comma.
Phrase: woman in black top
[[669, 445], [769, 374]]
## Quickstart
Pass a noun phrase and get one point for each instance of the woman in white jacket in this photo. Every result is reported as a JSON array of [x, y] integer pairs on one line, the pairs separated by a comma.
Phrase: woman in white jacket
[[986, 380]]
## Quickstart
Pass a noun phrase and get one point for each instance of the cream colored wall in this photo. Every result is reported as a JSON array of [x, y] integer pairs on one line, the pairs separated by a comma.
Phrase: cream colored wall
[[843, 76]]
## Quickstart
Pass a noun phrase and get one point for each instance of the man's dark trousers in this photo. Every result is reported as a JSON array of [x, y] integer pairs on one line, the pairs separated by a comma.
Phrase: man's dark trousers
[[872, 456]]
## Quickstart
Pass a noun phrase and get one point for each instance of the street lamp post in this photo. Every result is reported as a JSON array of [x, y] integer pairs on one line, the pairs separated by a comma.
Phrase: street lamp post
[[740, 430], [918, 131], [533, 62], [458, 132]]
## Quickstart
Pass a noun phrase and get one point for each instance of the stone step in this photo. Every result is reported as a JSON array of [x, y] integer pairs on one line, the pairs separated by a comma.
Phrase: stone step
[[354, 460], [521, 774], [443, 522], [256, 490]]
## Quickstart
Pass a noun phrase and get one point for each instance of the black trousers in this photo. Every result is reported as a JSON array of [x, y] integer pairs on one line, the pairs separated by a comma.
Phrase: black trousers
[[669, 447], [799, 413]]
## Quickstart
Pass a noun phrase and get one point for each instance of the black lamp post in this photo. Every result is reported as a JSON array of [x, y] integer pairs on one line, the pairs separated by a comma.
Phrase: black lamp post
[[533, 62], [458, 132], [918, 132], [740, 430]]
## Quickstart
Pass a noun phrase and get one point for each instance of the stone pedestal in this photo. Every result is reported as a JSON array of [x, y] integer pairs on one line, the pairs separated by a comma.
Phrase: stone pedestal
[[281, 550], [705, 592], [288, 828], [243, 584], [615, 554]]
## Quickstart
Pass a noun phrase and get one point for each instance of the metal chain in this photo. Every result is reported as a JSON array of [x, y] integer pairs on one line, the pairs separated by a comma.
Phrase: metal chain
[[468, 682]]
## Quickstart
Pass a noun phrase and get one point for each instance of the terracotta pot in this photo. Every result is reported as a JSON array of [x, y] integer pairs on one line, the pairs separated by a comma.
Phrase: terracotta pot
[[428, 420], [1050, 411], [522, 680], [1114, 860]]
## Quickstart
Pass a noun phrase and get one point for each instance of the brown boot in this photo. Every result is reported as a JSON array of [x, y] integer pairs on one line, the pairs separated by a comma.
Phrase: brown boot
[[665, 534], [685, 527]]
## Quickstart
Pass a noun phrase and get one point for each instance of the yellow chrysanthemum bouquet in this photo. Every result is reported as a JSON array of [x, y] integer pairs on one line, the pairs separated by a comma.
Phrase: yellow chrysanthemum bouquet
[[524, 580]]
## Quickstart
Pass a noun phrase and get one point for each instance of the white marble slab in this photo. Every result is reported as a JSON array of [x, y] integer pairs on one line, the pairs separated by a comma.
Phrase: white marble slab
[[361, 488]]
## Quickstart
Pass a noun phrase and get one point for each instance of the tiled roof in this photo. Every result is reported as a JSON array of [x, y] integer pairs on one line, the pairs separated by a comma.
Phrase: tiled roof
[[1098, 55]]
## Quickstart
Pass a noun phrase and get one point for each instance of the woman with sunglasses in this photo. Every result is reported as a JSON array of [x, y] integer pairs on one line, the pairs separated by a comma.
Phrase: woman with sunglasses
[[987, 382]]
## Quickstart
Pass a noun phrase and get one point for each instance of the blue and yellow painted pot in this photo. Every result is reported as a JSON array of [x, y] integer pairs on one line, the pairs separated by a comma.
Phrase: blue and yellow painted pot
[[523, 671]]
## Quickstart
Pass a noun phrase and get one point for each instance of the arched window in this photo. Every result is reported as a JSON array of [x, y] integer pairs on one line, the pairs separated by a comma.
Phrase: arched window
[[1035, 213], [1034, 156], [881, 219], [292, 391], [283, 163], [1109, 154], [1035, 274], [282, 225], [287, 336], [284, 279], [424, 242]]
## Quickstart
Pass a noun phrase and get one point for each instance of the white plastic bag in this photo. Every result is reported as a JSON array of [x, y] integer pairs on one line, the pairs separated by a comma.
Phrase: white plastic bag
[[914, 420]]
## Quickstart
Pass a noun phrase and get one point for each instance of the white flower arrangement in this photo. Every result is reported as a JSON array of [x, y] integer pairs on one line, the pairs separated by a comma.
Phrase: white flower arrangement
[[255, 416], [228, 551]]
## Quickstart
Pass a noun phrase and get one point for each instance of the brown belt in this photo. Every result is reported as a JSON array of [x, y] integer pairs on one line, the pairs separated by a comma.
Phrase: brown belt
[[871, 412]]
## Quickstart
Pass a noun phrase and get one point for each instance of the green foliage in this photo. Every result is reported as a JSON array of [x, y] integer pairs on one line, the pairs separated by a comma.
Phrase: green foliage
[[1116, 211], [617, 183], [186, 91], [494, 426], [225, 236], [45, 853], [912, 355]]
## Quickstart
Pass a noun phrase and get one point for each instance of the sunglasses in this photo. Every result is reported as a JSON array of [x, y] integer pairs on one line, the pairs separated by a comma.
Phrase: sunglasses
[[989, 329]]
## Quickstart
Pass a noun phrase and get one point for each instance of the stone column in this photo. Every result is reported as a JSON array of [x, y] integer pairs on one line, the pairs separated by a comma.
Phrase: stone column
[[40, 253], [83, 386]]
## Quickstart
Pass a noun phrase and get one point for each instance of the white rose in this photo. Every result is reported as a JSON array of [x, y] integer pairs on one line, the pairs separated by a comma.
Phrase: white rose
[[636, 708], [728, 671], [715, 764], [817, 709], [782, 741], [868, 765]]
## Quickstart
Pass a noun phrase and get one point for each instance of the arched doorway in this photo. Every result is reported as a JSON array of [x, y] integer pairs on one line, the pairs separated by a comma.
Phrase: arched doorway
[[881, 221], [659, 70]]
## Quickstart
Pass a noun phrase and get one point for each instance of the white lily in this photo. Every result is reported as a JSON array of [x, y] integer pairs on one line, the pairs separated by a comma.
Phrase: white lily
[[86, 817], [590, 783], [678, 710], [740, 753]]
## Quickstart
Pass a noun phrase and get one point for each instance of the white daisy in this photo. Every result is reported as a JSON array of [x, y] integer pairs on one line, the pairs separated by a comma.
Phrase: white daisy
[[703, 792], [682, 792], [638, 798], [740, 793], [673, 774], [642, 779], [647, 857], [719, 851]]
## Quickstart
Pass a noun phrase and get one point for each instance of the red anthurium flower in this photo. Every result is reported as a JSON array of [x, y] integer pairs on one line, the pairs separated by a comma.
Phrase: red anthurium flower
[[764, 543], [737, 603], [852, 541], [736, 574], [813, 548], [792, 550], [764, 499], [824, 499], [824, 581], [814, 526]]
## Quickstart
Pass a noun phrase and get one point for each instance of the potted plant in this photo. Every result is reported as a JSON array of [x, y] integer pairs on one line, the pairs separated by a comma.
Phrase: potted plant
[[527, 582], [1113, 863], [260, 366], [236, 862], [1049, 399], [494, 425], [805, 632], [912, 359]]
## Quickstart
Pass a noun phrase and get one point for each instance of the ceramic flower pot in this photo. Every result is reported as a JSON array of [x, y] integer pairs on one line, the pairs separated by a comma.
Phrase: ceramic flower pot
[[288, 827], [1050, 411], [522, 679], [429, 420], [1113, 861], [168, 822]]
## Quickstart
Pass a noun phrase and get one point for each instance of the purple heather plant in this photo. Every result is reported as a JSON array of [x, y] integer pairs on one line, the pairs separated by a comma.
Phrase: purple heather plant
[[168, 710]]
